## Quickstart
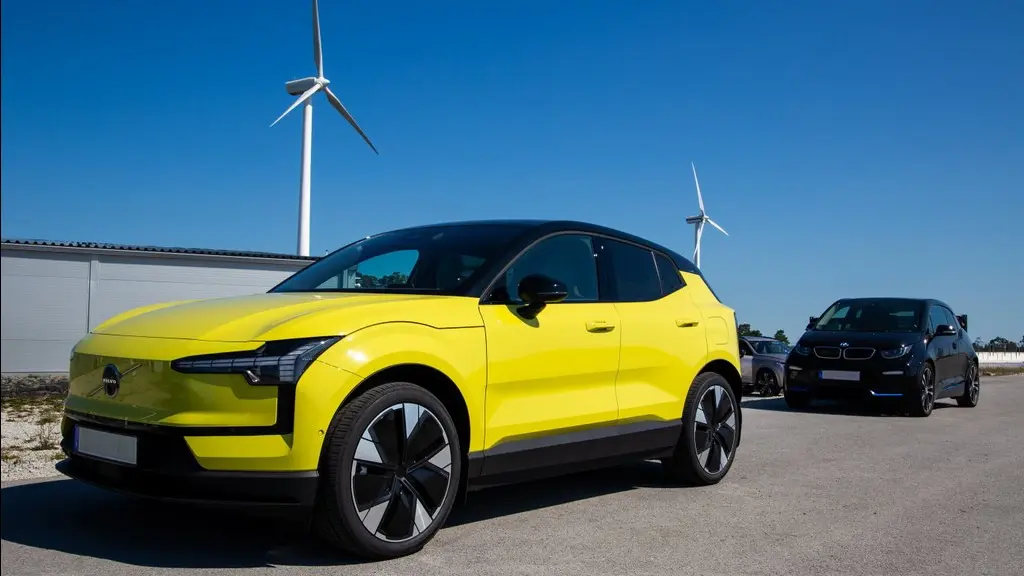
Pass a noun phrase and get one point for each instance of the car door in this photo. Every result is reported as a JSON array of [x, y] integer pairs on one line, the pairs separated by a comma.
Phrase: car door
[[554, 372], [746, 362], [958, 354], [940, 346], [663, 344]]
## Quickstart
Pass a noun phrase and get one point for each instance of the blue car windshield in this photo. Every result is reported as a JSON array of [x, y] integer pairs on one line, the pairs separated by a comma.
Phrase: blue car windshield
[[873, 315], [440, 259]]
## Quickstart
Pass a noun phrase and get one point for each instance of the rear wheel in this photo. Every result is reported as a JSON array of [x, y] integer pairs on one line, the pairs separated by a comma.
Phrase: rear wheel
[[972, 387], [711, 429], [390, 472], [922, 398], [767, 382]]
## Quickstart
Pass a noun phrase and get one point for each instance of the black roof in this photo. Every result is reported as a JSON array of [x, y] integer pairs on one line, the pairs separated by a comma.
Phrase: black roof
[[928, 301], [541, 226], [160, 249]]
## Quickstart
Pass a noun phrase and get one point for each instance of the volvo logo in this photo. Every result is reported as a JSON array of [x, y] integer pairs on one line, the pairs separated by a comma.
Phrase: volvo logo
[[111, 380]]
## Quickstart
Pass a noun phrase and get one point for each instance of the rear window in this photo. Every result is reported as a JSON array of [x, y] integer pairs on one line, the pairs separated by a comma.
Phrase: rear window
[[669, 274]]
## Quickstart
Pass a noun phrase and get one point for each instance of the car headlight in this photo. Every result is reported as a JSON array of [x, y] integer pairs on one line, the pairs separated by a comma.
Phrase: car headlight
[[896, 352], [801, 350], [272, 364]]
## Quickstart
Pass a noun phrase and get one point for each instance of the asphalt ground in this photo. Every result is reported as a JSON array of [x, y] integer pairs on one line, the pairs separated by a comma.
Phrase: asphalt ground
[[835, 490]]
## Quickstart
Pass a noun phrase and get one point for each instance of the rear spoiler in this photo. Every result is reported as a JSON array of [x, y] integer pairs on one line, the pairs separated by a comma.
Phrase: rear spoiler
[[962, 319]]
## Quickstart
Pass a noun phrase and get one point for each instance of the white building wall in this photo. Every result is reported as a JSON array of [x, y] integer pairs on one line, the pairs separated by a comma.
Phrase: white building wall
[[52, 297]]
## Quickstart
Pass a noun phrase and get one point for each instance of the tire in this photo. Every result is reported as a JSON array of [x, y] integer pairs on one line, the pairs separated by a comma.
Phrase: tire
[[769, 383], [972, 387], [708, 436], [921, 400], [401, 504], [797, 400]]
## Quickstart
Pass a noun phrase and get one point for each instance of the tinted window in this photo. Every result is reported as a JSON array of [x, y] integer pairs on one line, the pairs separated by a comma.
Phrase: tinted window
[[936, 317], [746, 348], [873, 315], [432, 259], [950, 318], [630, 272], [670, 278], [568, 258]]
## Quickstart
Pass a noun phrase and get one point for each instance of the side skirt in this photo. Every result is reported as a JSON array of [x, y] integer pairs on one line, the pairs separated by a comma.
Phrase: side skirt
[[565, 453]]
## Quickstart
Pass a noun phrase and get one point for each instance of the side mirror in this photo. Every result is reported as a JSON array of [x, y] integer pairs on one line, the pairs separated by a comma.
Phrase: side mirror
[[810, 323], [962, 319], [742, 352], [538, 290], [945, 330]]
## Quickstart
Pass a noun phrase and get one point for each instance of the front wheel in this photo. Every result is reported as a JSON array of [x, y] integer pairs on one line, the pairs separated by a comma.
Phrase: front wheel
[[711, 431], [922, 398], [768, 383], [390, 472], [972, 387]]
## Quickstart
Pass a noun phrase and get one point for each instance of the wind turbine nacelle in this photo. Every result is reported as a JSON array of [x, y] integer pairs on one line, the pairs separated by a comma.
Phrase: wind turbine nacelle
[[296, 87], [694, 219]]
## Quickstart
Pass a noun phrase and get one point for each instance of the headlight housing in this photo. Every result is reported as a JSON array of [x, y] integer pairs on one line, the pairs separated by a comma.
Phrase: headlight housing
[[802, 350], [275, 363], [895, 353]]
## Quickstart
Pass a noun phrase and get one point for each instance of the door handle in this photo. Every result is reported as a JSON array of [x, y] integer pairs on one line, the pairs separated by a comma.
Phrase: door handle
[[600, 326], [686, 323]]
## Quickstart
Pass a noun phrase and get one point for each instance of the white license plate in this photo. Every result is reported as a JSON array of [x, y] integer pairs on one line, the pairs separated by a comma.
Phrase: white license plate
[[852, 376], [99, 444]]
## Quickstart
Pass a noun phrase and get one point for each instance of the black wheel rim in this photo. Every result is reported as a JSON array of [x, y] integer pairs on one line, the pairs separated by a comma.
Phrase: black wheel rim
[[715, 430], [927, 389], [973, 384], [769, 385], [401, 473]]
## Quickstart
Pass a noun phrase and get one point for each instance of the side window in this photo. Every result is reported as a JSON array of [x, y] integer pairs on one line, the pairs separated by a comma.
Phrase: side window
[[669, 274], [950, 318], [935, 317], [747, 350], [568, 258], [630, 272]]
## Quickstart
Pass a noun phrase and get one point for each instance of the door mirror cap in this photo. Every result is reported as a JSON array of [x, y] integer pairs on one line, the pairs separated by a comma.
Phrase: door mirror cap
[[812, 321], [945, 330], [540, 289]]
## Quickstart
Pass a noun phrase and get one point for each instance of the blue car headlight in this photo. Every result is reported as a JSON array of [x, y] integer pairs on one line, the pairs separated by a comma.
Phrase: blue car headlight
[[802, 350], [274, 363], [896, 352]]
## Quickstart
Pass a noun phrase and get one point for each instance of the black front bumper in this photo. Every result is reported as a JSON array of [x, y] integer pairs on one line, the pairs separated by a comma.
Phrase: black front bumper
[[885, 381], [166, 469]]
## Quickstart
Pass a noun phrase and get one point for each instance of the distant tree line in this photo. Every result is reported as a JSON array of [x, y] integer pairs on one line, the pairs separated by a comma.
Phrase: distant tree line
[[746, 330], [999, 344]]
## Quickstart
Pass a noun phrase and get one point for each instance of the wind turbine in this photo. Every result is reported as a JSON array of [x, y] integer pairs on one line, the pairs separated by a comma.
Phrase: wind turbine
[[700, 220], [305, 88]]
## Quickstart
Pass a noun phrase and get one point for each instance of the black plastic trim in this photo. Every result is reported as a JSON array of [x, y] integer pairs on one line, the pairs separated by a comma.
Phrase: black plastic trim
[[578, 450]]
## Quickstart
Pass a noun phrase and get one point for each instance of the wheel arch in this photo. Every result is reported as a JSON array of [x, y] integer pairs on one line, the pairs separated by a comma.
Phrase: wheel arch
[[727, 370]]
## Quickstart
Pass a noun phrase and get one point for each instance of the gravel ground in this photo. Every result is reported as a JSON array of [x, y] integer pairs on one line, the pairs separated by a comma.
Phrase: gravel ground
[[830, 491], [30, 435]]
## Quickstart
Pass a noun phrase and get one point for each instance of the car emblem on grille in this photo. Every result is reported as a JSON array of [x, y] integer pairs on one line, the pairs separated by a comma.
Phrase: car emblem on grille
[[844, 344], [111, 380]]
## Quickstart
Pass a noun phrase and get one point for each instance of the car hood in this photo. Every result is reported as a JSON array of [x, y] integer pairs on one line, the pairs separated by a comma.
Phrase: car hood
[[881, 340], [273, 316]]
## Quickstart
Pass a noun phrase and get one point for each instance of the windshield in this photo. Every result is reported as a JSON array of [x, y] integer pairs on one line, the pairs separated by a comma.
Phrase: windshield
[[432, 259], [872, 315], [769, 347]]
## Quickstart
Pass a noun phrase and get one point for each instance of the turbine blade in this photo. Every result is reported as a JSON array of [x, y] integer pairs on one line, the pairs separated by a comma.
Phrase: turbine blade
[[318, 55], [305, 96], [341, 108], [700, 199], [713, 223]]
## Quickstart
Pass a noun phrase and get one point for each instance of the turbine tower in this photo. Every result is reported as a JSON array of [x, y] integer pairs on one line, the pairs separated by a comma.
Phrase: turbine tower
[[305, 88], [700, 220]]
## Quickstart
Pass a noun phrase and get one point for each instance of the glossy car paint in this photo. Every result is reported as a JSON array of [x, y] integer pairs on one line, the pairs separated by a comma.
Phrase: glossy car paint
[[880, 377], [580, 373]]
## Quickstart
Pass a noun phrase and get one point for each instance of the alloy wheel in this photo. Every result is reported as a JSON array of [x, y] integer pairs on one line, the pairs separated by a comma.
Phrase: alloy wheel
[[715, 429], [401, 474], [767, 383], [973, 383], [927, 389]]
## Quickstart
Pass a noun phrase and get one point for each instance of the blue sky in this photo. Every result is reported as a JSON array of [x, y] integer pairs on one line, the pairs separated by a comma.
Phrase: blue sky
[[868, 148]]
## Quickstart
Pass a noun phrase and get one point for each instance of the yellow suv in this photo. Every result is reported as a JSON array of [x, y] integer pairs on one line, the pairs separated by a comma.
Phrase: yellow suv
[[380, 383]]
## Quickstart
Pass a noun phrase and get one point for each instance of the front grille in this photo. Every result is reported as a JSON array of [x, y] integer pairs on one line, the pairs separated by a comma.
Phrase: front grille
[[827, 352], [859, 353]]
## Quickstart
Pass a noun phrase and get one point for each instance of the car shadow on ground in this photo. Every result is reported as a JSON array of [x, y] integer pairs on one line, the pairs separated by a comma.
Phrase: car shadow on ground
[[73, 518], [871, 408]]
